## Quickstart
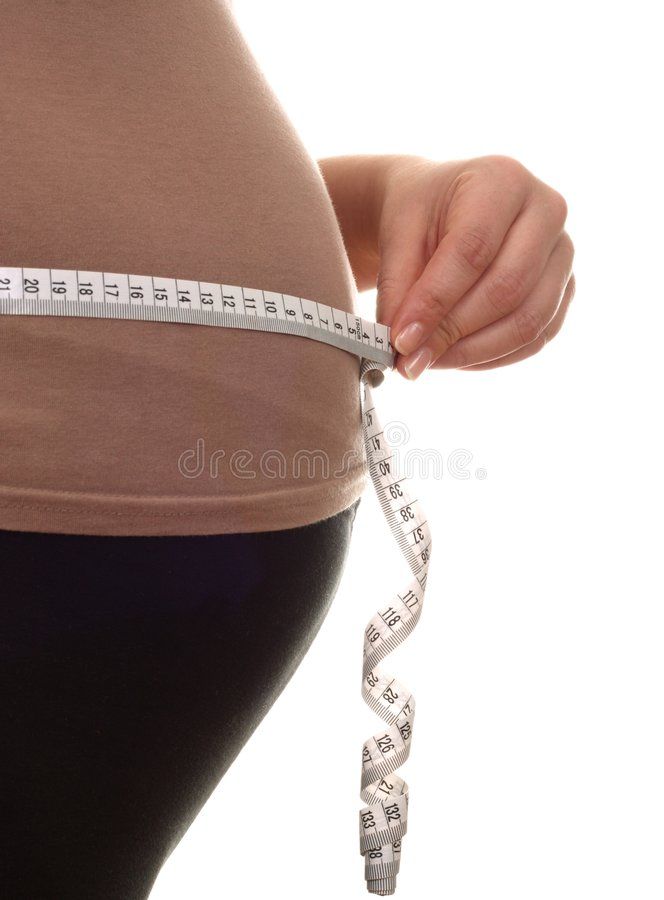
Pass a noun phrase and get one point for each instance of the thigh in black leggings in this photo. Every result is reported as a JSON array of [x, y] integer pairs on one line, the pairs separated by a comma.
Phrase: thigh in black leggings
[[133, 671]]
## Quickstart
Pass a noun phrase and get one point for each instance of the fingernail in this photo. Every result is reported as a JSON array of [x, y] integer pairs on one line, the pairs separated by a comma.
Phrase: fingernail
[[409, 338], [418, 362]]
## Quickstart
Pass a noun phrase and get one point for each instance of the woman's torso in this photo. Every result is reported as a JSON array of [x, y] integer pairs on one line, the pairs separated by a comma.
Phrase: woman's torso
[[143, 138]]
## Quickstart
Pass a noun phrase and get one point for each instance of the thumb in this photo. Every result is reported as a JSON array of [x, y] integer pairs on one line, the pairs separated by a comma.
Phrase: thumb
[[401, 262]]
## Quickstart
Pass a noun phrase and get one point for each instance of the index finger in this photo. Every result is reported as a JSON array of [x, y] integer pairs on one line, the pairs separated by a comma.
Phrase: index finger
[[482, 208]]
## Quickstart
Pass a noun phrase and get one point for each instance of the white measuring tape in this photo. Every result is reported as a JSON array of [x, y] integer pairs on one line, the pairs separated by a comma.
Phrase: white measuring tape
[[69, 292]]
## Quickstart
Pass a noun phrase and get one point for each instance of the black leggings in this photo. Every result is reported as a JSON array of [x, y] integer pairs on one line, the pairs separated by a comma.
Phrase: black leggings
[[133, 671]]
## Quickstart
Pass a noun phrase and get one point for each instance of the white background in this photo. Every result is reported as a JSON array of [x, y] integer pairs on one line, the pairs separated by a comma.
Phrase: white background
[[538, 664]]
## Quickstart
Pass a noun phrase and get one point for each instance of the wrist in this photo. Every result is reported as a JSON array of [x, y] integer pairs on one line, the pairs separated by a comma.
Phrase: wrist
[[357, 185]]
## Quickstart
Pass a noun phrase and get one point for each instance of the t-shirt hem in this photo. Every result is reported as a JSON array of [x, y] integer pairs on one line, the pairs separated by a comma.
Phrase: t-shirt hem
[[71, 512]]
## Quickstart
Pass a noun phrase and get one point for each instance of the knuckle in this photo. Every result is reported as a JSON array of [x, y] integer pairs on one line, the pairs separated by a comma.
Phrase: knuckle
[[448, 331], [527, 326], [568, 244], [430, 299], [475, 248], [558, 205], [386, 284], [507, 165], [505, 290]]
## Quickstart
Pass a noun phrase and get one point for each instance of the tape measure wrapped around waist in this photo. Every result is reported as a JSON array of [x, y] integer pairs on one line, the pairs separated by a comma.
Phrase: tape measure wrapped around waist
[[68, 292]]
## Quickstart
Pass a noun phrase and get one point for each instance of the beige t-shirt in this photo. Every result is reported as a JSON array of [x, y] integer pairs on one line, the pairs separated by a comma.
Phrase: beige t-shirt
[[150, 143]]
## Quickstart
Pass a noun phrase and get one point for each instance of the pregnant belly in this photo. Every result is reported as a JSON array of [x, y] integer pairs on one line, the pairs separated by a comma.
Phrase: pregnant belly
[[162, 149], [137, 159]]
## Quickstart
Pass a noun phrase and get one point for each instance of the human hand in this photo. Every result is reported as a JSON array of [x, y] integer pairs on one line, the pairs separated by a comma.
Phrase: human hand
[[475, 268]]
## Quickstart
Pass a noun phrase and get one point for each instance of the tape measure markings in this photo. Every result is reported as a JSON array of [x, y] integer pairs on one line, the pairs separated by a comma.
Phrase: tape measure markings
[[122, 296], [80, 293]]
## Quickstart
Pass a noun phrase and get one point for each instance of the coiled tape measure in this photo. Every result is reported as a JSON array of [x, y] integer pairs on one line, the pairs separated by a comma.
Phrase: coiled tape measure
[[69, 292]]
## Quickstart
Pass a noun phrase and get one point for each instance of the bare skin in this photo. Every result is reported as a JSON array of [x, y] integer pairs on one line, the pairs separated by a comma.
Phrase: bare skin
[[470, 258]]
